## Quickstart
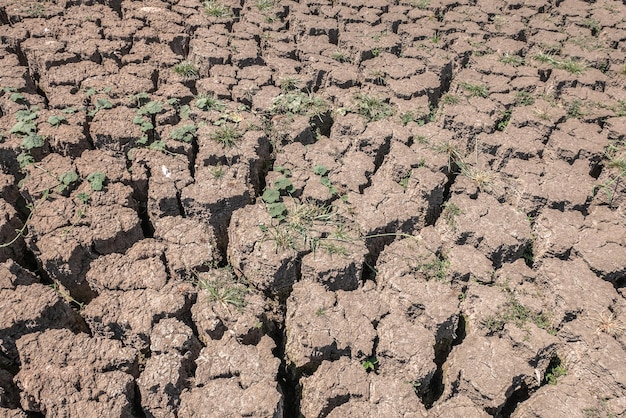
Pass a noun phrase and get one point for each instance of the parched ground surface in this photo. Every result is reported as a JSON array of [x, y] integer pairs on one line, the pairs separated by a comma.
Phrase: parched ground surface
[[322, 208]]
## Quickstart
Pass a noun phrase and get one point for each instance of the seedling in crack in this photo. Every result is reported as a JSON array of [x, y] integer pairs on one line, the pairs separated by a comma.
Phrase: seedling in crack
[[209, 102], [96, 180], [185, 133], [370, 364], [372, 108], [57, 120], [223, 287], [475, 90], [226, 135], [216, 9], [186, 70], [322, 171], [514, 60]]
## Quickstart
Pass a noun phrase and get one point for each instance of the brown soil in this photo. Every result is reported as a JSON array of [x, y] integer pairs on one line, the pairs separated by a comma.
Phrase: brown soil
[[324, 208]]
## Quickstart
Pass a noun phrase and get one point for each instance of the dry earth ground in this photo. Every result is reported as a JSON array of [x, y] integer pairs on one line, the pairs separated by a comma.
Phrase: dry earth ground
[[325, 208]]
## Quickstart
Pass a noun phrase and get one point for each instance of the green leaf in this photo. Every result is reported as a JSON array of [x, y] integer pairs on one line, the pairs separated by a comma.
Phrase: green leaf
[[90, 92], [83, 197], [320, 170], [184, 133], [103, 104], [157, 146], [25, 159], [271, 196], [56, 120], [143, 140], [326, 181], [184, 111], [23, 127], [96, 180], [32, 141], [26, 115], [284, 184], [277, 210], [68, 177], [151, 108], [17, 97]]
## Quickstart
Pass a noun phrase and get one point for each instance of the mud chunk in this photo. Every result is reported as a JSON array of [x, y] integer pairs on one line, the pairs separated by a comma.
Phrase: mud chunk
[[167, 371], [130, 315], [28, 307], [67, 374], [323, 325]]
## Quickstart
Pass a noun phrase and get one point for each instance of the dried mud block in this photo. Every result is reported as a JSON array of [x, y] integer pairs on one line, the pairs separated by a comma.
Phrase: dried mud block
[[247, 364], [129, 315], [412, 281], [389, 206], [263, 260], [64, 374], [114, 130], [467, 263], [458, 406], [499, 231], [10, 224], [323, 325], [28, 307], [227, 305], [190, 244], [406, 350], [336, 264], [174, 347], [234, 380], [489, 370], [106, 162], [471, 118], [71, 74], [602, 244], [66, 234], [568, 399], [167, 176], [224, 398], [66, 140], [333, 384], [575, 140], [388, 397], [141, 267], [556, 233], [569, 279]]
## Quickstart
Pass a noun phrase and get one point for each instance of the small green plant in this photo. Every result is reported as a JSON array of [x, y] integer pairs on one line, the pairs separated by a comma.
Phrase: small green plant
[[523, 98], [372, 108], [217, 171], [450, 212], [209, 102], [186, 70], [320, 312], [265, 5], [475, 90], [299, 103], [512, 311], [375, 52], [17, 98], [341, 56], [322, 171], [288, 84], [503, 121], [404, 181], [65, 180], [514, 60], [185, 133], [450, 99], [223, 287], [96, 180], [370, 364], [593, 25], [216, 9], [101, 103], [227, 135], [572, 66], [57, 120], [574, 109], [555, 371]]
